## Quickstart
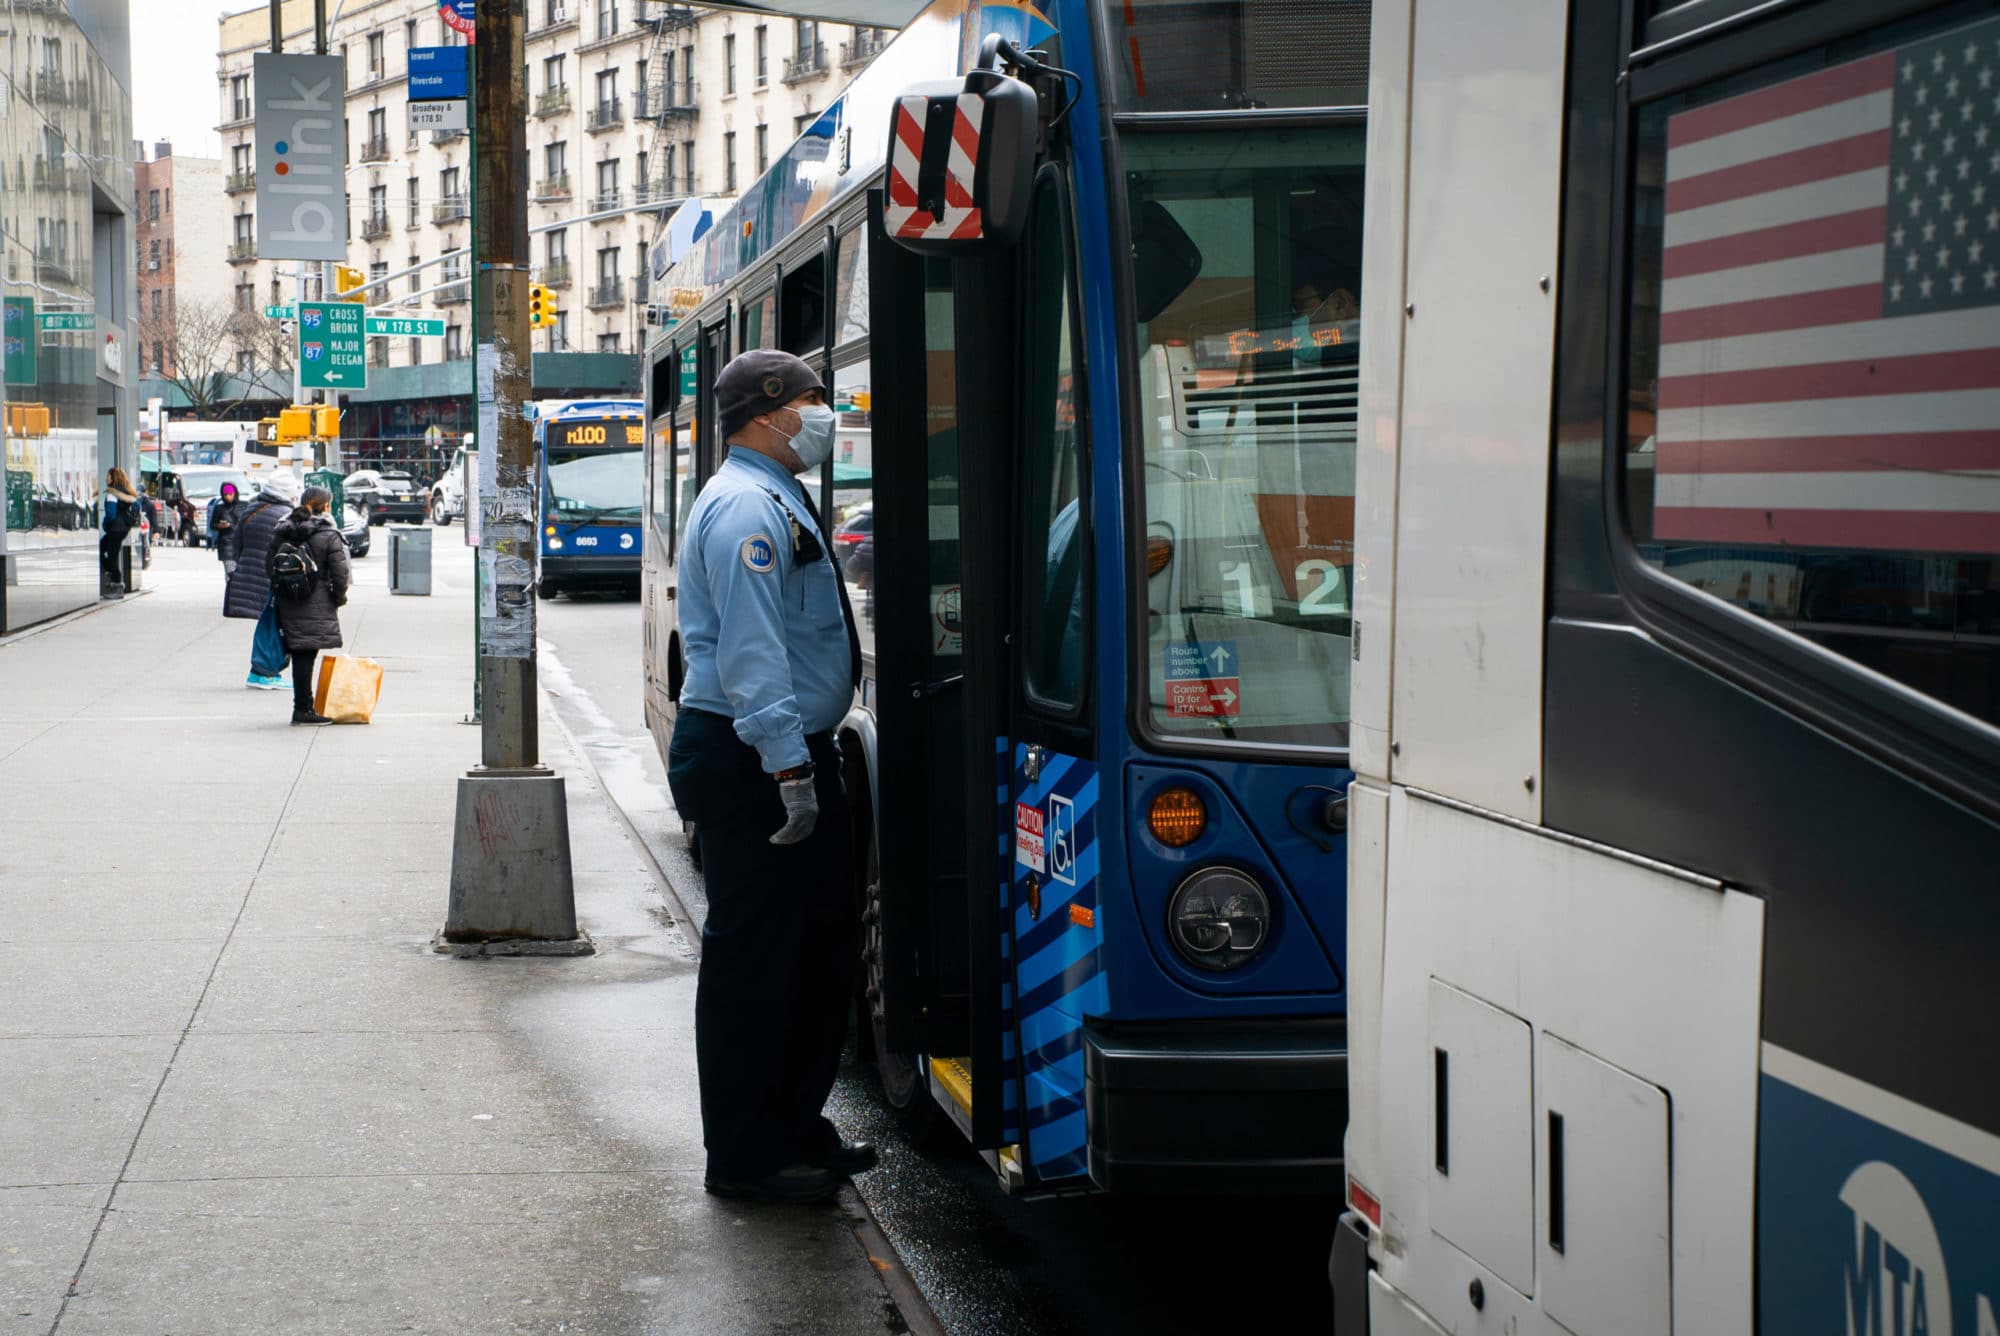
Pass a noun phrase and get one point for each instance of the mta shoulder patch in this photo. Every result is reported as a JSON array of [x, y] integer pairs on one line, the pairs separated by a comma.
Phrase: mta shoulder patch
[[760, 554]]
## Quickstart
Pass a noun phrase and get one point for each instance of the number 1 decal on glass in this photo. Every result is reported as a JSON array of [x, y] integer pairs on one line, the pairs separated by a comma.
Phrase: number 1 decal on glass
[[1249, 599]]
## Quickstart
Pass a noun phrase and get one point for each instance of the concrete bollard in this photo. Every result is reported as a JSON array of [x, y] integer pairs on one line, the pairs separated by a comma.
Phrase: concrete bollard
[[512, 892]]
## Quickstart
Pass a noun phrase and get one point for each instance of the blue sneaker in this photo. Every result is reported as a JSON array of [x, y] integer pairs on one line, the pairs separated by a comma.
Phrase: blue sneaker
[[263, 683]]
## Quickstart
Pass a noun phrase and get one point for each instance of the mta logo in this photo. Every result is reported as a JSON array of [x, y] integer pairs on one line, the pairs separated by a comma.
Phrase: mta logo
[[1895, 1282]]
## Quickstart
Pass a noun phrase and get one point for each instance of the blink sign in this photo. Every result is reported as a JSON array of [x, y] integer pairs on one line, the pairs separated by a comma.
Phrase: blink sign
[[300, 106]]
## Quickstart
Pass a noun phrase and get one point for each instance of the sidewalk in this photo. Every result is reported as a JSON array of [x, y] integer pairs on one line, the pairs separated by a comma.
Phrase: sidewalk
[[238, 1093]]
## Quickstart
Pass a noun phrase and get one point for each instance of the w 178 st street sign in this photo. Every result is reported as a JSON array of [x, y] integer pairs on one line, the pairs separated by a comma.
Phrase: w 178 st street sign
[[330, 346], [405, 326]]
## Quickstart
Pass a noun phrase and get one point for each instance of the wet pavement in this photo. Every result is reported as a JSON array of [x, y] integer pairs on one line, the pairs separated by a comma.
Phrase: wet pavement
[[985, 1262]]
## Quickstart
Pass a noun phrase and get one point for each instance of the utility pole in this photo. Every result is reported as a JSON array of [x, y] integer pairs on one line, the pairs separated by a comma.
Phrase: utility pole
[[512, 890]]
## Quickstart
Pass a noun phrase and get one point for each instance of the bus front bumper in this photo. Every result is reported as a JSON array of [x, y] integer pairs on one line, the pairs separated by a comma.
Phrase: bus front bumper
[[1185, 1108], [583, 570]]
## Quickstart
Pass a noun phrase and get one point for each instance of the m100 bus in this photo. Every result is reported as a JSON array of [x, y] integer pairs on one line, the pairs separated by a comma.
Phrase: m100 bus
[[1098, 525], [590, 459]]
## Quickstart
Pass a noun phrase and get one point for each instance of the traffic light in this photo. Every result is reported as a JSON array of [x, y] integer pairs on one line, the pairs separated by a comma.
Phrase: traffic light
[[294, 424], [326, 422], [541, 306], [348, 279]]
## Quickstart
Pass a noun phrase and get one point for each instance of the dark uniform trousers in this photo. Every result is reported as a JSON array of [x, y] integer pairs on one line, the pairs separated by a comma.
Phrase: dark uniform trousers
[[778, 952]]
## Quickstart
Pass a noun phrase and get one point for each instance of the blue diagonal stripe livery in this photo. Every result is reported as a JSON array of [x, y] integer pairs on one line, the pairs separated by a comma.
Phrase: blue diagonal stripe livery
[[1055, 948]]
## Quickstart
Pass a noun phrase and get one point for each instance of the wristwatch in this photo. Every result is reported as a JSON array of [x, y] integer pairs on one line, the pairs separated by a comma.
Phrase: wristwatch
[[796, 772]]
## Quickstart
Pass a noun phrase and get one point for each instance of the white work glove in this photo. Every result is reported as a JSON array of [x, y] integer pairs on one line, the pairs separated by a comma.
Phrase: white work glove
[[801, 810]]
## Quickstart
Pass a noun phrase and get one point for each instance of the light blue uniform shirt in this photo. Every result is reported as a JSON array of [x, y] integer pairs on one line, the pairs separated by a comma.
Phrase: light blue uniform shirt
[[766, 642]]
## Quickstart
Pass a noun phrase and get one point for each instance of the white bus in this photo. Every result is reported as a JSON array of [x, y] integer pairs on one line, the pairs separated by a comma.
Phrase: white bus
[[1674, 848]]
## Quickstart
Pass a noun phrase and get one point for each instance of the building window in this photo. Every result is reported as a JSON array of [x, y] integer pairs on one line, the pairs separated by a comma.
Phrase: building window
[[246, 226], [729, 64], [607, 265], [448, 184], [152, 204], [153, 257], [416, 352], [763, 149], [409, 35], [170, 200], [242, 160], [454, 342], [763, 55], [607, 18], [377, 64], [555, 73], [416, 276], [246, 296], [687, 164], [608, 343], [607, 184], [415, 202], [157, 303], [555, 161], [607, 88], [239, 97], [729, 163]]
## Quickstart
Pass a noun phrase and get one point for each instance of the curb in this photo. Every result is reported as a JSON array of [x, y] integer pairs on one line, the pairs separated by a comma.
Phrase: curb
[[883, 1259]]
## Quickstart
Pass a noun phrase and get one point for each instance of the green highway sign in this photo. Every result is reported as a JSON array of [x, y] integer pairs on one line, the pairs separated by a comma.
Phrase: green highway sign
[[284, 312], [330, 346], [404, 326], [66, 320], [18, 337]]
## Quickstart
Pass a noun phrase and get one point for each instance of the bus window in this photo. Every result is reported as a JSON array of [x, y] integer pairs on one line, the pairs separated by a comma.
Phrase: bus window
[[759, 325], [1808, 435], [1057, 538], [1247, 383], [803, 312], [851, 289], [684, 480], [853, 517]]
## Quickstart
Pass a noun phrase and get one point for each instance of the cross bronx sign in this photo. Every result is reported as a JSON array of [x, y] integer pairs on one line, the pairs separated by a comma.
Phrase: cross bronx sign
[[301, 157]]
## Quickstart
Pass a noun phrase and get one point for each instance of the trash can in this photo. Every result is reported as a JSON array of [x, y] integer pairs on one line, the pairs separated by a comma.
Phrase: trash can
[[409, 560]]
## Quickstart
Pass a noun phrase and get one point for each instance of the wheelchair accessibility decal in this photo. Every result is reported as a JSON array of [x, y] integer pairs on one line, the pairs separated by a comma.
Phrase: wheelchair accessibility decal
[[1061, 839]]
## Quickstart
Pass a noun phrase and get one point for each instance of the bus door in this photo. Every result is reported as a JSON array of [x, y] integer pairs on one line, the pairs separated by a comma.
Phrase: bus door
[[918, 919], [1050, 938]]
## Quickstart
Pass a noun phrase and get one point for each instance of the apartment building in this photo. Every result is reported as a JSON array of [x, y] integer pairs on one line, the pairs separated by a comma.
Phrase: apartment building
[[182, 229], [633, 106]]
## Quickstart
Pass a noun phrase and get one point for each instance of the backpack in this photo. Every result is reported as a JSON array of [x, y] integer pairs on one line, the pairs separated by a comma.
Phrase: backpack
[[293, 571]]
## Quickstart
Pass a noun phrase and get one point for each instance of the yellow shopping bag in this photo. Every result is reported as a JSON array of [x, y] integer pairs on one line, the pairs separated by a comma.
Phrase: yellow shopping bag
[[348, 688]]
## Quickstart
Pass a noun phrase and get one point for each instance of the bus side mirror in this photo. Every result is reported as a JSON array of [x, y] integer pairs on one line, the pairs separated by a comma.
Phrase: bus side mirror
[[961, 161]]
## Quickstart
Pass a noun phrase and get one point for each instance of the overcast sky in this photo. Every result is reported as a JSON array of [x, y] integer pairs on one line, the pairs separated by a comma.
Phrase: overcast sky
[[173, 74]]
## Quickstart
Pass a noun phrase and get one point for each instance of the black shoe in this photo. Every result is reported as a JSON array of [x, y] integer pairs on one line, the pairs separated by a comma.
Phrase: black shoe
[[849, 1157], [800, 1182], [308, 717]]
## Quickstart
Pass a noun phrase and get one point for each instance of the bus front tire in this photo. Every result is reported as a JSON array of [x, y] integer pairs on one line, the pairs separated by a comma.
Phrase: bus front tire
[[545, 590]]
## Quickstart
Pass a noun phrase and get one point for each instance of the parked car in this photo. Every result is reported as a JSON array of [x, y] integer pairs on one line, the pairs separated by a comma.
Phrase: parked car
[[386, 495], [355, 528], [857, 530]]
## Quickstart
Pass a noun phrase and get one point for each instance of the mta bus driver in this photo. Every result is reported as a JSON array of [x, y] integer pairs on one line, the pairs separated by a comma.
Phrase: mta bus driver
[[772, 663]]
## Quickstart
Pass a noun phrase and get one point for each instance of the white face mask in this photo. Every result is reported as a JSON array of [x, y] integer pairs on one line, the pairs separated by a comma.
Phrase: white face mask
[[813, 442]]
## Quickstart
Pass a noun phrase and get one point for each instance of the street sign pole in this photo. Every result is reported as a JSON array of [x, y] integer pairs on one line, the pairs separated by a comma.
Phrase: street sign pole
[[516, 894]]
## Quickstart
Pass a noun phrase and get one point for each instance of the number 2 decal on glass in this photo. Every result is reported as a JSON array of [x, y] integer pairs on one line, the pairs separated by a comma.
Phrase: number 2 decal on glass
[[1327, 599]]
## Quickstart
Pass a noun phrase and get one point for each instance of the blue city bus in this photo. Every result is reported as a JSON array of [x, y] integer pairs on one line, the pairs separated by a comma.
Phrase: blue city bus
[[589, 461], [1093, 498]]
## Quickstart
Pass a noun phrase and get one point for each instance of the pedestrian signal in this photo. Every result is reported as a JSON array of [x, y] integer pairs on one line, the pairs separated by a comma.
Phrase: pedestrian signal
[[541, 306], [326, 421], [347, 279], [294, 424]]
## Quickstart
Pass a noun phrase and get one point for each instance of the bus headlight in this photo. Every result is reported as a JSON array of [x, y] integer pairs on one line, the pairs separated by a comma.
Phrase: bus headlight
[[555, 544], [1219, 918]]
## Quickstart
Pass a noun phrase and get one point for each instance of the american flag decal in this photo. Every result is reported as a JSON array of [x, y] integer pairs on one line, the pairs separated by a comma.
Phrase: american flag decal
[[1830, 308]]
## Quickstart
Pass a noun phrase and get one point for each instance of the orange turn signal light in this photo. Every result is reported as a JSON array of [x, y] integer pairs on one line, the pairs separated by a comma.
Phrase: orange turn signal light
[[1177, 817]]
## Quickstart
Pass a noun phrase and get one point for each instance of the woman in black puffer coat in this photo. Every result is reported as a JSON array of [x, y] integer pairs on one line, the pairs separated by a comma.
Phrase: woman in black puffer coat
[[312, 623], [248, 587]]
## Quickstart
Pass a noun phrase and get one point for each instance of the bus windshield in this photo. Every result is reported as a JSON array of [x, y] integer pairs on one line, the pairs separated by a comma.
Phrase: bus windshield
[[588, 486], [1246, 277]]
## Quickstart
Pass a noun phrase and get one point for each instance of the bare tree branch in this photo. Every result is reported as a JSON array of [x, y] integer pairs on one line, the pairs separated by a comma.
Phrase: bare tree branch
[[199, 337]]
